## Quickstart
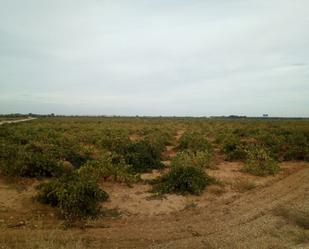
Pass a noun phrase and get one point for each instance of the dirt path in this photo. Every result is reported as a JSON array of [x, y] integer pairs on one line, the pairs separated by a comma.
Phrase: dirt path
[[179, 134], [16, 121], [170, 149]]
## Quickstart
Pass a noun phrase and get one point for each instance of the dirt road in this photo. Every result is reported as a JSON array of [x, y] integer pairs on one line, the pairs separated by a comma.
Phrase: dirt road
[[16, 121]]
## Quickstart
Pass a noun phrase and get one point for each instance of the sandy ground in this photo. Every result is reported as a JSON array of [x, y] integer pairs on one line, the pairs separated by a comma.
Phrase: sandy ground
[[225, 216]]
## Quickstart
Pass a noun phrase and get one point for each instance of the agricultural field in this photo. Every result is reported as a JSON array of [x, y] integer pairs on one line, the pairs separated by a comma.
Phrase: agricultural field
[[156, 183]]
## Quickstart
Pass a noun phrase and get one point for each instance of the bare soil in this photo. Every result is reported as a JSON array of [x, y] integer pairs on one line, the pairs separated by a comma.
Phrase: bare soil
[[224, 216]]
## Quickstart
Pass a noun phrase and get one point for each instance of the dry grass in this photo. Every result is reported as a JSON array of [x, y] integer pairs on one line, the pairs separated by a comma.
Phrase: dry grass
[[302, 237], [33, 241], [243, 185], [298, 217], [217, 190]]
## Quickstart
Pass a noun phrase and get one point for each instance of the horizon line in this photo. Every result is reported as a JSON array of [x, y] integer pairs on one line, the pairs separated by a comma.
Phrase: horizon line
[[232, 116]]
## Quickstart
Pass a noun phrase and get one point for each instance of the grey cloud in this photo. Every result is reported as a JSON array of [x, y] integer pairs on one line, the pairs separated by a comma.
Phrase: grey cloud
[[155, 57]]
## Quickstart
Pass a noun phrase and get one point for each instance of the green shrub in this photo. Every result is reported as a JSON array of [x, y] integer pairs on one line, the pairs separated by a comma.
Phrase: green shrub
[[260, 163], [286, 144], [76, 197], [306, 157], [203, 159], [274, 143], [241, 132], [71, 152], [159, 138], [194, 141], [113, 140], [19, 161], [143, 156], [182, 180], [39, 165], [297, 146], [234, 148], [108, 166]]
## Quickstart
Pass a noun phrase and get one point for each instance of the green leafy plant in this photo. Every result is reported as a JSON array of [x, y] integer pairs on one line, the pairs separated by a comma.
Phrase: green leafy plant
[[194, 141], [297, 146], [260, 163], [76, 196], [182, 180], [203, 159], [70, 151], [112, 139], [234, 148], [108, 166], [19, 161], [143, 156]]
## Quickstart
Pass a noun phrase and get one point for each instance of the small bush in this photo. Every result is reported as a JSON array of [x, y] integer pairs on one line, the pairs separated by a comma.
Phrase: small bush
[[183, 180], [203, 159], [157, 141], [297, 146], [286, 145], [70, 152], [18, 161], [260, 163], [143, 156], [274, 143], [75, 196], [194, 141], [108, 166], [234, 148], [113, 140], [39, 165]]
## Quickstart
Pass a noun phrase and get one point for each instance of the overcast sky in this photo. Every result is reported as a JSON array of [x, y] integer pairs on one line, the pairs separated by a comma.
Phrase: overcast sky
[[155, 57]]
